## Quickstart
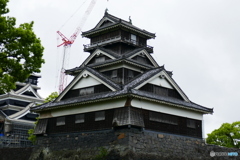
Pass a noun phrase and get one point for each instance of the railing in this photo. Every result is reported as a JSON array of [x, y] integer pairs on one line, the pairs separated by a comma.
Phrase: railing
[[135, 42], [99, 43], [14, 142], [17, 137], [114, 39]]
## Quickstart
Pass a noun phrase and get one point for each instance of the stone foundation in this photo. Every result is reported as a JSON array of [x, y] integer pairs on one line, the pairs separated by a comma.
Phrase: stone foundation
[[132, 144], [15, 153]]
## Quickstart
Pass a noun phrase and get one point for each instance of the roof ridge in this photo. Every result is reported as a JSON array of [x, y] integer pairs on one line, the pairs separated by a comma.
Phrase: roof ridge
[[174, 101], [109, 51], [103, 77], [118, 22], [130, 53], [138, 78], [112, 16]]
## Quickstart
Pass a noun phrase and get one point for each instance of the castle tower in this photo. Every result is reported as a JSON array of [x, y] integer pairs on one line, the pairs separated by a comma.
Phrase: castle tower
[[120, 85], [15, 116]]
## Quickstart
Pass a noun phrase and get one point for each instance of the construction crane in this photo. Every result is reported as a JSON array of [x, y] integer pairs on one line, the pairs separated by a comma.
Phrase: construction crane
[[67, 42]]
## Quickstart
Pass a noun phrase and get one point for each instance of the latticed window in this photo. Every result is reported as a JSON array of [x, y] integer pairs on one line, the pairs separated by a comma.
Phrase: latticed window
[[163, 118], [79, 118], [130, 74], [100, 59], [86, 91], [114, 74], [191, 123], [134, 38], [60, 121], [99, 116]]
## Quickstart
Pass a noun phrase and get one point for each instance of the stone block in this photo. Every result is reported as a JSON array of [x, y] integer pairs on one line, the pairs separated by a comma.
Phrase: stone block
[[135, 140], [121, 136]]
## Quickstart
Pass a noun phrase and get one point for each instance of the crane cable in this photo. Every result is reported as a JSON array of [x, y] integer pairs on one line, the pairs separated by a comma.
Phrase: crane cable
[[65, 57], [58, 55], [72, 15]]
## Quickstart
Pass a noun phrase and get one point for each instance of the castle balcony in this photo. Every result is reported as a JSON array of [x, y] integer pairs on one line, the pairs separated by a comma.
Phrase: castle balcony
[[116, 39]]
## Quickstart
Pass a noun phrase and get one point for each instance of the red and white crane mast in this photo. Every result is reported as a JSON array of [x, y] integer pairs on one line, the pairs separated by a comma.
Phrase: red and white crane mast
[[67, 44]]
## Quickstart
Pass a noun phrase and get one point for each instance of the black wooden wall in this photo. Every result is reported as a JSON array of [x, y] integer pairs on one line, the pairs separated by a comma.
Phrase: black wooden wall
[[89, 124], [180, 125]]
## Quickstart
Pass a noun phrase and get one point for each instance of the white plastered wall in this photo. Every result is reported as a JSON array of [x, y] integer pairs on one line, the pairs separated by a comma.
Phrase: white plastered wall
[[98, 106], [86, 82], [161, 82]]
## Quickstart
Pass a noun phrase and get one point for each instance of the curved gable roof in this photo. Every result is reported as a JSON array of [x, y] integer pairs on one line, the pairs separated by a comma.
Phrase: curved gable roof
[[116, 22], [96, 75]]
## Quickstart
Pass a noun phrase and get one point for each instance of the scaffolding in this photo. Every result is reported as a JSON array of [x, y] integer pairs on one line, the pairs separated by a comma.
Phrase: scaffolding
[[16, 135]]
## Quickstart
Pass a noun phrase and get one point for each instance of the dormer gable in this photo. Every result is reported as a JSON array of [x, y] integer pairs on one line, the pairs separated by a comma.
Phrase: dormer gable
[[87, 83], [28, 90], [144, 57], [22, 113], [105, 21], [98, 56], [163, 85]]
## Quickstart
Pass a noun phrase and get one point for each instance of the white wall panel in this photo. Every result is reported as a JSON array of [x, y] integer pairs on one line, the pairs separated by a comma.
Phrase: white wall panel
[[89, 107], [86, 82], [161, 82]]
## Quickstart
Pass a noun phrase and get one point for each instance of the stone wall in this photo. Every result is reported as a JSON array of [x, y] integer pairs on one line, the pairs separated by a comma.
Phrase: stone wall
[[154, 145], [124, 144], [15, 153]]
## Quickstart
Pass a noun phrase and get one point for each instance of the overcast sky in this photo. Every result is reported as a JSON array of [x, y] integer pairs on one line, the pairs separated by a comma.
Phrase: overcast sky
[[197, 40]]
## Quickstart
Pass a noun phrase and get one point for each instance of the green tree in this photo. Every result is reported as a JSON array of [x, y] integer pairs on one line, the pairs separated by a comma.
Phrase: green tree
[[228, 135], [51, 97], [32, 137], [20, 50]]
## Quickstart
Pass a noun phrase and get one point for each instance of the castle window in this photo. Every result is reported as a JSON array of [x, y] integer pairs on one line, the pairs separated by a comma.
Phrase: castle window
[[163, 118], [99, 116], [79, 118], [130, 74], [34, 81], [60, 121], [99, 59], [86, 91], [114, 74], [133, 39], [191, 123]]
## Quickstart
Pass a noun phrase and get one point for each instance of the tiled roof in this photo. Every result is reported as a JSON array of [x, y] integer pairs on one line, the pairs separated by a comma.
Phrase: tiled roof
[[79, 100], [110, 52], [98, 74], [104, 78], [122, 93], [125, 90], [110, 62], [119, 58], [118, 22], [171, 101], [142, 77]]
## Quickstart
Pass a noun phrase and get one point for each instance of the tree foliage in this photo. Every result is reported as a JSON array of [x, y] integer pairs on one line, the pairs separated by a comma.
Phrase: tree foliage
[[20, 50], [228, 135], [51, 97], [32, 137]]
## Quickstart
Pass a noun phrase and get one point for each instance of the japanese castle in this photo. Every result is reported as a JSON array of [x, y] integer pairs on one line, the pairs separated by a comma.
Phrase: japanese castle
[[15, 116], [120, 85]]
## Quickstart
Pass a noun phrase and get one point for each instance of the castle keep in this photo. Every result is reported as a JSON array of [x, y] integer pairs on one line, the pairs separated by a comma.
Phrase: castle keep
[[15, 116], [118, 92]]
